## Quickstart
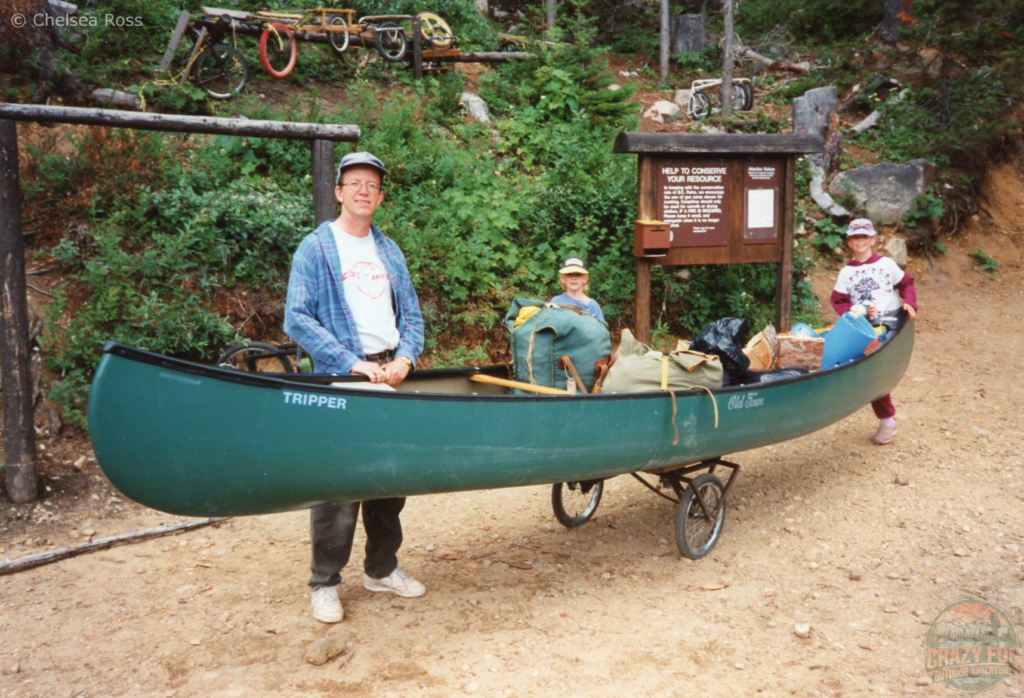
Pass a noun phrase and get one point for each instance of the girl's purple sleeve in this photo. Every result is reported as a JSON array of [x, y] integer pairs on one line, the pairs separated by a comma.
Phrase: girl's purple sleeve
[[841, 302], [907, 291]]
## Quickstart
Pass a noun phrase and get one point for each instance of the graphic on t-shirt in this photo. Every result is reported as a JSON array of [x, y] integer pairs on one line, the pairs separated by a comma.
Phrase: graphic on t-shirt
[[864, 286], [371, 279]]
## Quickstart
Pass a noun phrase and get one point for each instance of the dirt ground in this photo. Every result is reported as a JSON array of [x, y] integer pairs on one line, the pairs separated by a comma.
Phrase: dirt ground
[[866, 544]]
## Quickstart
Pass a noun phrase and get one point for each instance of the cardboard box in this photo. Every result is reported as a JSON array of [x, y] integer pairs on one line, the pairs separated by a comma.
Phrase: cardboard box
[[800, 352]]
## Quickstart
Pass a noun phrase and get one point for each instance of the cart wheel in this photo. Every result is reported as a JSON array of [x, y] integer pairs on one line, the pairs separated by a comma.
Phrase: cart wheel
[[700, 105], [436, 31], [256, 357], [695, 534], [390, 42], [511, 47], [220, 71], [356, 57], [739, 97], [338, 39], [748, 95], [575, 502], [278, 50]]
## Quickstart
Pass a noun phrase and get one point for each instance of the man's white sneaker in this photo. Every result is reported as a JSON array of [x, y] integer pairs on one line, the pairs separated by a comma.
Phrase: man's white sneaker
[[398, 582], [326, 606]]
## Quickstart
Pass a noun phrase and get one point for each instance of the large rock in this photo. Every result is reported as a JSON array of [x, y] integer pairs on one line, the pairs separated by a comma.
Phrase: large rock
[[476, 107], [885, 191], [897, 249], [664, 111]]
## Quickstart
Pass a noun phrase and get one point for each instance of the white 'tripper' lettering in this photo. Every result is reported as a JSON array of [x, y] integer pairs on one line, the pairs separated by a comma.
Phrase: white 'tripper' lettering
[[310, 400]]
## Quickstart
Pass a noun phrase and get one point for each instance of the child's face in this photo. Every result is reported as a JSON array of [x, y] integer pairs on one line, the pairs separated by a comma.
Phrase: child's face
[[860, 244], [574, 282]]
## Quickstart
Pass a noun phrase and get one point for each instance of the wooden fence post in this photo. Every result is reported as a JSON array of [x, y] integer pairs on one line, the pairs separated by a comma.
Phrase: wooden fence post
[[417, 48], [15, 373], [324, 206]]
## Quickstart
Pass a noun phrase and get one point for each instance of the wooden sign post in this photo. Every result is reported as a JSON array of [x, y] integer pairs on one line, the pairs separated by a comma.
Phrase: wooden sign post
[[725, 199]]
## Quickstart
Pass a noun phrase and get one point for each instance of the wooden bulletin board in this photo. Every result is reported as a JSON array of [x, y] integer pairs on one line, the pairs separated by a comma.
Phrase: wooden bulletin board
[[728, 199]]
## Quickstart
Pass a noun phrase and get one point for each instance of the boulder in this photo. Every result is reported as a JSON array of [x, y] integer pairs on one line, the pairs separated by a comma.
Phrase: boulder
[[885, 191], [897, 249], [682, 98], [664, 111], [476, 107]]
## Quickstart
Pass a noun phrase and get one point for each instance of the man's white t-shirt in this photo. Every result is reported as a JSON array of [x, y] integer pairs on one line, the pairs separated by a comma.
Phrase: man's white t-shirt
[[367, 290], [872, 283]]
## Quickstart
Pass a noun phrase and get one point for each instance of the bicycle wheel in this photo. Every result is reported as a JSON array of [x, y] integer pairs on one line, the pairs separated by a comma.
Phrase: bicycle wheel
[[220, 71], [699, 106], [356, 57], [575, 502], [436, 31], [278, 50], [390, 40], [739, 97], [338, 39], [256, 357], [696, 535]]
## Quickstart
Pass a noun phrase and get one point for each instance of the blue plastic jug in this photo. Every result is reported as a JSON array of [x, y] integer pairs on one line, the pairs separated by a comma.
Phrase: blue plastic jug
[[846, 341]]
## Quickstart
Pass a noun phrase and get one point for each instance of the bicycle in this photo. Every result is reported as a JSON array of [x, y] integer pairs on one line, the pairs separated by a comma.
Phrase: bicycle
[[218, 69], [699, 105]]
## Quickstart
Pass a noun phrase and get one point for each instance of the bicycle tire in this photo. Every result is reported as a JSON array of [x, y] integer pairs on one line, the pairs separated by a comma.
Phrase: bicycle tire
[[696, 535], [338, 40], [574, 503], [700, 105], [390, 40], [271, 52], [255, 357], [739, 97], [221, 71], [748, 94]]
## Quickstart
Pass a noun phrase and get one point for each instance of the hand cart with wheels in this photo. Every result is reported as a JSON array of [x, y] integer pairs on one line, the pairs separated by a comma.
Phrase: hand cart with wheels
[[701, 92], [696, 489]]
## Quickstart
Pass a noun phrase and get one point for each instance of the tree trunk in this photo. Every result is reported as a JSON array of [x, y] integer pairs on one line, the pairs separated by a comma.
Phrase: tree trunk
[[550, 14], [727, 60], [19, 436], [816, 113], [39, 45], [896, 13], [689, 34], [665, 39]]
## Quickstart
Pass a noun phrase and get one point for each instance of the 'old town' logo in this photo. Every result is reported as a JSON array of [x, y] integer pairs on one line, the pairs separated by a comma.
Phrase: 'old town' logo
[[970, 646]]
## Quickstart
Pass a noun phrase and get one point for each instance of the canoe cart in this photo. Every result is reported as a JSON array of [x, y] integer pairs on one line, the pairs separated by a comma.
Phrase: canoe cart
[[200, 440]]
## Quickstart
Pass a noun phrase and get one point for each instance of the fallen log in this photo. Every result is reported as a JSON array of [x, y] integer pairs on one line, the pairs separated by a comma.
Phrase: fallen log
[[742, 51], [29, 561]]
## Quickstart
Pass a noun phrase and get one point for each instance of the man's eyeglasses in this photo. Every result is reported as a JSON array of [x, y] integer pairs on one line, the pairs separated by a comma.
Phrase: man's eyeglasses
[[353, 187]]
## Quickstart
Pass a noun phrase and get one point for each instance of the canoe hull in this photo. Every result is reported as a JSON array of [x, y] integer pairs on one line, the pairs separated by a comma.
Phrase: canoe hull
[[200, 441]]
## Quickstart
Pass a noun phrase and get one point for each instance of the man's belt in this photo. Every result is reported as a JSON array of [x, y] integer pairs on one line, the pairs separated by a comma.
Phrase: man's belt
[[382, 357]]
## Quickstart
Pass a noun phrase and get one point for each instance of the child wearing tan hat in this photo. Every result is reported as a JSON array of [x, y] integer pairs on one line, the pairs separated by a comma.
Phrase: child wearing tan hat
[[573, 277]]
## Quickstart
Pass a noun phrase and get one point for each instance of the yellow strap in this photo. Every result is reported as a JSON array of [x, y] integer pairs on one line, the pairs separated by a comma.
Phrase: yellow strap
[[664, 374]]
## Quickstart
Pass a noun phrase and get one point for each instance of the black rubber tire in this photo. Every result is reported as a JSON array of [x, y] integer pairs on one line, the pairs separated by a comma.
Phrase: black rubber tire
[[256, 357], [338, 40], [695, 534], [748, 96], [700, 105], [390, 39], [574, 503], [277, 59], [221, 71], [511, 47]]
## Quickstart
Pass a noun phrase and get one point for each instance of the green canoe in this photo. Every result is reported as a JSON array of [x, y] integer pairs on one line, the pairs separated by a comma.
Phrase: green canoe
[[206, 441]]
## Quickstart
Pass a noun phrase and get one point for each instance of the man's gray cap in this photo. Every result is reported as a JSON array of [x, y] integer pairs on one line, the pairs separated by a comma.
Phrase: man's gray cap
[[361, 158]]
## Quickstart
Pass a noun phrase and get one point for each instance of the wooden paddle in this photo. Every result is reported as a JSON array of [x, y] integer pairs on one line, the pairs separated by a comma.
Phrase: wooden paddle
[[529, 387]]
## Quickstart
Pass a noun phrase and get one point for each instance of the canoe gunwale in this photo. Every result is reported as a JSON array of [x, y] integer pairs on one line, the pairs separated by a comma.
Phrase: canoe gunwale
[[329, 383]]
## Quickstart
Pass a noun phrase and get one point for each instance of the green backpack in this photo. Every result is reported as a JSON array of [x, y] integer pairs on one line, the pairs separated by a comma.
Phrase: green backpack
[[639, 369], [544, 333]]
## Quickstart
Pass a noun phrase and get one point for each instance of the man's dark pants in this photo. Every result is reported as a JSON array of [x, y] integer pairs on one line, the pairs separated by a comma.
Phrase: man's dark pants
[[332, 528]]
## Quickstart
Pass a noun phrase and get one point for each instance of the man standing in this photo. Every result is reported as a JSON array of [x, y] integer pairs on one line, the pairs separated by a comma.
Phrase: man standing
[[352, 307]]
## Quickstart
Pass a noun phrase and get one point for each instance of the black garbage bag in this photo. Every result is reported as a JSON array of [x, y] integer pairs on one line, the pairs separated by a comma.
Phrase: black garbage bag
[[725, 338], [756, 377]]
